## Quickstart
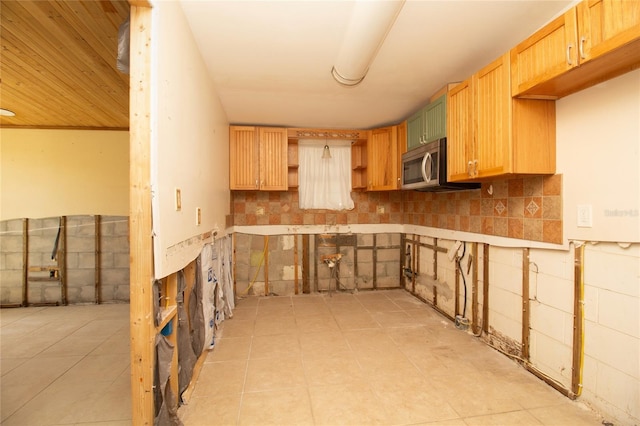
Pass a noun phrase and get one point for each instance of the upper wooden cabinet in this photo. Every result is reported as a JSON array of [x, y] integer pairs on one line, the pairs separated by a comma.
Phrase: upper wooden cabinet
[[258, 158], [382, 167], [593, 41], [492, 134], [415, 129], [436, 119]]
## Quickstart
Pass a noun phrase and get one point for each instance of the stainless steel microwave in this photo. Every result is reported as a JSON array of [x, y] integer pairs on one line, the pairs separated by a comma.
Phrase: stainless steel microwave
[[425, 169]]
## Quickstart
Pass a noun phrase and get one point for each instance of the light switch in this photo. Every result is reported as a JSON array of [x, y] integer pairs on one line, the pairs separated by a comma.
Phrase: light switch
[[198, 216], [585, 216], [178, 199]]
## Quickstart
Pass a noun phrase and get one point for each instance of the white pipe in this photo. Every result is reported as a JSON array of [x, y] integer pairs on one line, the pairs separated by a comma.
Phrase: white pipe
[[370, 23]]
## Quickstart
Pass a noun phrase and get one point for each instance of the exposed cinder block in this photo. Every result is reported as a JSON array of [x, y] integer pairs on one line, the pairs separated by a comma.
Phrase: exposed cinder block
[[10, 295], [114, 276], [11, 243], [52, 294], [73, 260], [122, 293], [388, 282], [121, 260], [11, 226], [80, 277], [365, 240], [87, 260], [11, 261], [107, 260], [390, 255]]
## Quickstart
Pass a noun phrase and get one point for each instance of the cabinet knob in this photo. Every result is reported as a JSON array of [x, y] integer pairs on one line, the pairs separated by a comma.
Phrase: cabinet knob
[[469, 165], [475, 167], [581, 47], [569, 47]]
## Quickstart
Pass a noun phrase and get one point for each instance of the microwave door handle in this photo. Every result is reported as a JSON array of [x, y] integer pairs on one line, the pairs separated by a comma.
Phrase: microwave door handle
[[425, 160]]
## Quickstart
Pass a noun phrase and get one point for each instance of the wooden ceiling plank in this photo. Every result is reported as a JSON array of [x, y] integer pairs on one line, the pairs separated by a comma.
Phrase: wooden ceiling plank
[[42, 55], [86, 18], [35, 73]]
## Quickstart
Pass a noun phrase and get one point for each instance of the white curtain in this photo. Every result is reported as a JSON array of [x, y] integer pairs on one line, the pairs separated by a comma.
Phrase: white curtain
[[324, 183]]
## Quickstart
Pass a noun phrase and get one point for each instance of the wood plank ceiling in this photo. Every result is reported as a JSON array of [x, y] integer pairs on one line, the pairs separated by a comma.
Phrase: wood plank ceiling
[[58, 64]]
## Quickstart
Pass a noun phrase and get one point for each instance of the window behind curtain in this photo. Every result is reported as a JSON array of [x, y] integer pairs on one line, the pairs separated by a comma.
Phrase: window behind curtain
[[324, 183]]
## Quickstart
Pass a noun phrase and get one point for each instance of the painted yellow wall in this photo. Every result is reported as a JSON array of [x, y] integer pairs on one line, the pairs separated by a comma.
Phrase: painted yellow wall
[[46, 173]]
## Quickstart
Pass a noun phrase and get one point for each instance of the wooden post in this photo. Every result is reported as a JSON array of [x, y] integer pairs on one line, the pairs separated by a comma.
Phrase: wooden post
[[142, 328], [62, 260], [457, 289], [485, 288], [266, 265], [306, 287], [435, 258], [474, 289], [295, 263], [97, 257], [25, 262], [578, 318], [526, 314], [374, 272]]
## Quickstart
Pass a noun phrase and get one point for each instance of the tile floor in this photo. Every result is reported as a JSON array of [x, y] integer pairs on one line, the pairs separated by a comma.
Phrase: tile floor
[[65, 365], [370, 358]]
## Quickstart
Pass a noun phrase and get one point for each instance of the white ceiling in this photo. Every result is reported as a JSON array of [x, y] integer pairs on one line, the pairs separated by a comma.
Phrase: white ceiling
[[271, 60]]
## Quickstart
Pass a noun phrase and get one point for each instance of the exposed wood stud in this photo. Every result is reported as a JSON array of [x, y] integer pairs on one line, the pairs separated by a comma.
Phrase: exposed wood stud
[[457, 289], [25, 262], [98, 237], [403, 259], [415, 248], [474, 289], [435, 258], [295, 264], [306, 288], [62, 260], [266, 265], [375, 263], [526, 314], [485, 288], [142, 328], [578, 318], [233, 249]]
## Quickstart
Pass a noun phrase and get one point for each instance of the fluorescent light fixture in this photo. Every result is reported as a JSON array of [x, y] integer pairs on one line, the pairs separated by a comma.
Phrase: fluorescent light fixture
[[7, 113], [370, 23]]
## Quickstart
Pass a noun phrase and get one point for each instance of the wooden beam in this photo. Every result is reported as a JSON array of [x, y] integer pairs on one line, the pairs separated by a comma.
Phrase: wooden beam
[[62, 261], [526, 313], [142, 328], [485, 288], [25, 262], [97, 239], [474, 289], [306, 287], [266, 265], [295, 264], [578, 318]]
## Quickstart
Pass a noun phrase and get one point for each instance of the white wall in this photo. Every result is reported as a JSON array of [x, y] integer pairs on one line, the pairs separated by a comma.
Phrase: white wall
[[46, 173], [598, 153], [190, 144]]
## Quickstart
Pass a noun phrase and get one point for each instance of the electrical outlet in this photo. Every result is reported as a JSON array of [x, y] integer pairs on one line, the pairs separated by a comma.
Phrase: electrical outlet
[[380, 209], [178, 200], [260, 211], [585, 216], [198, 216]]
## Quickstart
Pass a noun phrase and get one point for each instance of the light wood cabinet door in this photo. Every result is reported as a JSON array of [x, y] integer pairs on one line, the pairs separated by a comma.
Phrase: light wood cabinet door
[[258, 158], [460, 133], [604, 25], [546, 54], [592, 42], [273, 159], [492, 112], [243, 158], [382, 151], [491, 134]]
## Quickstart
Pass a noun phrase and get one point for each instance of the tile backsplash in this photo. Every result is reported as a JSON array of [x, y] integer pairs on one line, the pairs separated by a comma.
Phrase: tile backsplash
[[521, 207]]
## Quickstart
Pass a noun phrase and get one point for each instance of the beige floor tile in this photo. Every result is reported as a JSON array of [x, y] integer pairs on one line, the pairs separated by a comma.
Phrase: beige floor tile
[[411, 405], [382, 305], [355, 321], [230, 349], [316, 323], [274, 301], [237, 328], [26, 381], [276, 346], [99, 368], [225, 377], [212, 410], [267, 374], [568, 414], [111, 405], [73, 346], [312, 309], [336, 370], [285, 407], [8, 364], [393, 319], [369, 340], [307, 299], [520, 418], [324, 344], [275, 324], [248, 313], [350, 404]]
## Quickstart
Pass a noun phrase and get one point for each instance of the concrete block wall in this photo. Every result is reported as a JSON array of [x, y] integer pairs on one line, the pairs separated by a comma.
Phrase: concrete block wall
[[611, 373], [80, 259], [249, 263]]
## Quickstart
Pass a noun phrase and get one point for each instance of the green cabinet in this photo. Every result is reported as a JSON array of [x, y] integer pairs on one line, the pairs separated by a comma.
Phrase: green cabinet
[[414, 130], [436, 119], [427, 124]]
